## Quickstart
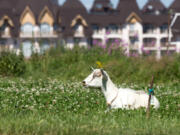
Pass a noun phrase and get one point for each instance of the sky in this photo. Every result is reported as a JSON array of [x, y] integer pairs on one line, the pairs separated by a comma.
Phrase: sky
[[88, 3]]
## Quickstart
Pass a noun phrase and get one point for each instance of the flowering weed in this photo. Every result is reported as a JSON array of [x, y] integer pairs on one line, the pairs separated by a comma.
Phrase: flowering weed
[[54, 107]]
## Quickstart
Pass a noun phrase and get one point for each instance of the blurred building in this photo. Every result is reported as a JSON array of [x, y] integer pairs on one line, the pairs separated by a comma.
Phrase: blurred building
[[36, 26]]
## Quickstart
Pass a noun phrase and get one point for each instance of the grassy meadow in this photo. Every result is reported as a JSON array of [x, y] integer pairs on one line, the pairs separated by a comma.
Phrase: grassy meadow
[[44, 95]]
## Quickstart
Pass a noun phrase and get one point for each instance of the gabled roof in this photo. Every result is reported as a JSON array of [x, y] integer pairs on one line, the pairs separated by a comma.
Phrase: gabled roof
[[126, 7], [7, 7], [70, 9], [102, 14], [104, 20], [35, 7], [68, 12], [154, 6], [55, 2], [155, 13], [156, 20], [175, 6], [103, 6], [8, 11]]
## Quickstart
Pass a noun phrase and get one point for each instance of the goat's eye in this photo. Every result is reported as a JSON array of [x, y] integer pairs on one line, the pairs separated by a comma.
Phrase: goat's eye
[[96, 75]]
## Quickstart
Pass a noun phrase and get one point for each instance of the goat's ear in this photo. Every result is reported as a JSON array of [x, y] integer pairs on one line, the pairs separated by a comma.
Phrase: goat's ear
[[92, 68], [104, 75]]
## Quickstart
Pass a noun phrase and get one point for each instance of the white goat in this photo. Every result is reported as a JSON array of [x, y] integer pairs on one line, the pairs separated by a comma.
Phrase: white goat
[[124, 98]]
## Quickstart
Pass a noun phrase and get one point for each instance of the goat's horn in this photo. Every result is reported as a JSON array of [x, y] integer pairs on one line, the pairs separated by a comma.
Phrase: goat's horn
[[92, 68]]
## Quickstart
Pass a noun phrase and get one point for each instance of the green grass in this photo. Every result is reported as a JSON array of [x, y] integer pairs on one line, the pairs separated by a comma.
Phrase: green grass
[[75, 65], [50, 106], [42, 95]]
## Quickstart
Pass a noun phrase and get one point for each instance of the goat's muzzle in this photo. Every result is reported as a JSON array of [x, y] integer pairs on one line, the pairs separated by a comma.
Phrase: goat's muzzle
[[83, 83]]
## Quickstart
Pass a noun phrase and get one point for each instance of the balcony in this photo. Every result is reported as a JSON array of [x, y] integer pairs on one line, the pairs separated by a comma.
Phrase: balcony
[[79, 33], [114, 32], [98, 32], [48, 34], [26, 35], [150, 31], [38, 34], [134, 46], [164, 31], [133, 33], [6, 35], [149, 44], [164, 44]]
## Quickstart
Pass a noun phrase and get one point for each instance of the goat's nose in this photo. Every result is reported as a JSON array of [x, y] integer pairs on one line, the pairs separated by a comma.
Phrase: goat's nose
[[84, 83]]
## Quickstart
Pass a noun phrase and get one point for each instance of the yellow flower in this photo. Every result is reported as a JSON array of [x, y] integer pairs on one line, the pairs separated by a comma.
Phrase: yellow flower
[[99, 64]]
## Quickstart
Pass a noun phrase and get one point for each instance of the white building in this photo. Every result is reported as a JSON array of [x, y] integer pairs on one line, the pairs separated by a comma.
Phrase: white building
[[36, 26]]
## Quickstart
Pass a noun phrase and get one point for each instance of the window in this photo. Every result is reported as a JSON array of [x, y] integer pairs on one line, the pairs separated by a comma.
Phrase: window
[[133, 40], [157, 12], [5, 25], [112, 28], [148, 28], [164, 28], [27, 49], [45, 46], [150, 7], [149, 42], [164, 41], [99, 6], [45, 28], [79, 29], [95, 27], [27, 28], [77, 41], [3, 42], [110, 5], [178, 38], [131, 27], [76, 27]]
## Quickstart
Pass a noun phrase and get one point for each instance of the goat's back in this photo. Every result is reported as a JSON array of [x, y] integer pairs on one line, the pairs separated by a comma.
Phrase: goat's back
[[136, 99]]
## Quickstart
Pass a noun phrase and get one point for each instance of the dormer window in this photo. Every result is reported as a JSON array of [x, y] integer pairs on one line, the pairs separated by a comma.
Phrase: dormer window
[[131, 27], [78, 29], [27, 28], [7, 31], [110, 5], [95, 27], [150, 7], [99, 6], [157, 12], [45, 28]]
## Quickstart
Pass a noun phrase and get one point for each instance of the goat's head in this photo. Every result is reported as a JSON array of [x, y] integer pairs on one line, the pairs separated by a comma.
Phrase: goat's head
[[96, 79]]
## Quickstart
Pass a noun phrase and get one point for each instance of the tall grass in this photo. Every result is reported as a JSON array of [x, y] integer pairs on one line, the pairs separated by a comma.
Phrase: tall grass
[[75, 64]]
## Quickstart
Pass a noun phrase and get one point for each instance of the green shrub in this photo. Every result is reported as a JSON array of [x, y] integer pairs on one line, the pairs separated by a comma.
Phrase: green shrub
[[11, 64]]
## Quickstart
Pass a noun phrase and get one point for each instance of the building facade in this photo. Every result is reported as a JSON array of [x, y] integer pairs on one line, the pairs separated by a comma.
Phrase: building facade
[[36, 26]]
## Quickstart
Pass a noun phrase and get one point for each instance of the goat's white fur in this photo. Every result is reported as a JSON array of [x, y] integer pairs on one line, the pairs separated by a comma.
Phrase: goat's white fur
[[124, 98]]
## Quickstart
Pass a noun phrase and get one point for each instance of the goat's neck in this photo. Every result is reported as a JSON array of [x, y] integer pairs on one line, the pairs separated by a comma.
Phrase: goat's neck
[[110, 90]]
